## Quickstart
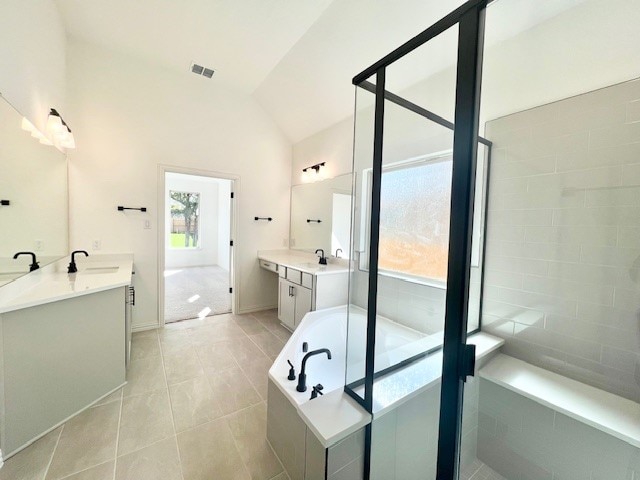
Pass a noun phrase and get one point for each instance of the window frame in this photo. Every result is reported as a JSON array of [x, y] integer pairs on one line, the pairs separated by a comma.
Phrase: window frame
[[367, 176]]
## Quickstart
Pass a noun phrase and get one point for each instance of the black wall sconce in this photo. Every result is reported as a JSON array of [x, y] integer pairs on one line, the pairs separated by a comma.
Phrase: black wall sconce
[[314, 172]]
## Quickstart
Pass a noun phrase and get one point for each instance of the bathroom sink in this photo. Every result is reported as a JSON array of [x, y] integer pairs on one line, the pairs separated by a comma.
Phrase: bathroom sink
[[96, 270], [309, 265]]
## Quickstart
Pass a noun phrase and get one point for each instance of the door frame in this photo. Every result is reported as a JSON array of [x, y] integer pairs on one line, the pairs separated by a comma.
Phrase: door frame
[[234, 278]]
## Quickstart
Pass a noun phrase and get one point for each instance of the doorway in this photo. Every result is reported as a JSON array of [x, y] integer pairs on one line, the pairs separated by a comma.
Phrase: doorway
[[196, 245]]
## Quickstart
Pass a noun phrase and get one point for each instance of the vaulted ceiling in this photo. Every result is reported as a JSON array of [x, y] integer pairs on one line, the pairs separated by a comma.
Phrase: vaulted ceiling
[[296, 57]]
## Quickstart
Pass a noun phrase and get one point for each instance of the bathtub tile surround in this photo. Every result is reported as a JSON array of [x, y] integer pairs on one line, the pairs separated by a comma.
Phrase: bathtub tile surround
[[172, 429], [562, 283]]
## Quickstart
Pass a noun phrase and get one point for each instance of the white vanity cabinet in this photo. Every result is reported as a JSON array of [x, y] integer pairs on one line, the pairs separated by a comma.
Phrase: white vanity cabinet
[[294, 301], [65, 342], [304, 285]]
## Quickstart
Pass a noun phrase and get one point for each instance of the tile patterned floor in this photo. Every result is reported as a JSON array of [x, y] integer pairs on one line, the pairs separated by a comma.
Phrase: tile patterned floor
[[194, 408], [480, 471]]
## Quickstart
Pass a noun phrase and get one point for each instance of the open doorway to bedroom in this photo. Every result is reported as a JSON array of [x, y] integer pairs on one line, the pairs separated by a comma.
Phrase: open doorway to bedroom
[[198, 247]]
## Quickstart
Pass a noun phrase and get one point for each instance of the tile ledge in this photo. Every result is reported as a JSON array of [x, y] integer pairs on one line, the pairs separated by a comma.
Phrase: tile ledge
[[609, 413]]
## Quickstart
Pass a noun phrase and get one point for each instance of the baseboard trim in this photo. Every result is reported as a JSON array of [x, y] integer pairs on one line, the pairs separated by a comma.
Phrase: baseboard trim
[[257, 309], [35, 439], [144, 328]]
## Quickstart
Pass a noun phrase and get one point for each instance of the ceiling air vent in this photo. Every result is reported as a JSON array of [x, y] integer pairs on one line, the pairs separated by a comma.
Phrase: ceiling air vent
[[200, 70]]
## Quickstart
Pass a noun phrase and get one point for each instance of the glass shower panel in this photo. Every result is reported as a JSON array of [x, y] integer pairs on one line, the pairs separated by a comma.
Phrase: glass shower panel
[[561, 103], [412, 260]]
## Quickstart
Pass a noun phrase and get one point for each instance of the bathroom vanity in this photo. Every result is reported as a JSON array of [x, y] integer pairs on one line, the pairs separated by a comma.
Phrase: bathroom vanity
[[304, 285], [64, 344]]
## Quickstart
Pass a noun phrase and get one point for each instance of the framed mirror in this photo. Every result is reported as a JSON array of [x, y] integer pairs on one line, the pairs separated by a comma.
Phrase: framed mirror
[[34, 193], [321, 215]]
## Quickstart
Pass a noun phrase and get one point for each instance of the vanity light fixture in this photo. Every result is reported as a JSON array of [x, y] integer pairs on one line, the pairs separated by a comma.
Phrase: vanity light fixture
[[59, 131], [27, 126], [314, 172]]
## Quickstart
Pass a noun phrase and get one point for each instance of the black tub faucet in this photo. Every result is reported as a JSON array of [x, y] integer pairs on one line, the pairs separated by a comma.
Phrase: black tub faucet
[[323, 259], [72, 266], [302, 378], [34, 264]]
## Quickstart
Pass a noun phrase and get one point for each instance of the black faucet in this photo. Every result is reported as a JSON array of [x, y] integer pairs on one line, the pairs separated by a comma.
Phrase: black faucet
[[34, 264], [317, 390], [323, 259], [302, 378], [72, 266]]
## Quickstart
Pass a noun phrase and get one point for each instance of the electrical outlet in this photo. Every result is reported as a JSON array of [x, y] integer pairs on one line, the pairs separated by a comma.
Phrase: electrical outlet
[[292, 242], [97, 244], [38, 245], [147, 224]]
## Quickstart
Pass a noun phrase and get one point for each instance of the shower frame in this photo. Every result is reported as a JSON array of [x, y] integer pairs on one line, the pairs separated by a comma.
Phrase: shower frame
[[458, 357]]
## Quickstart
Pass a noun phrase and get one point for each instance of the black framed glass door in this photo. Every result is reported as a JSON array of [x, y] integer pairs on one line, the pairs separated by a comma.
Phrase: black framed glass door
[[414, 249]]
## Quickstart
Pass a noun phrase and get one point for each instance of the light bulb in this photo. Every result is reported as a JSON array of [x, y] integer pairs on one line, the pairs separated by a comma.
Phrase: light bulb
[[69, 142], [54, 125], [27, 125]]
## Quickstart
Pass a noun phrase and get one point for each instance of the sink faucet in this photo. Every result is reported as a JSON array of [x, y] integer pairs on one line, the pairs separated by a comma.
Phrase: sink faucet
[[323, 259], [302, 378], [34, 264], [72, 266], [338, 250]]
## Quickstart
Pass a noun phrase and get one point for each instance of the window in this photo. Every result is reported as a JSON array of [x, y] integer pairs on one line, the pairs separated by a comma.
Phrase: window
[[185, 219], [415, 205]]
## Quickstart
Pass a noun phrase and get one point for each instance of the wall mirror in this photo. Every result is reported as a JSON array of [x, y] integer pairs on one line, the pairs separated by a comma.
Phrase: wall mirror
[[34, 190], [321, 215]]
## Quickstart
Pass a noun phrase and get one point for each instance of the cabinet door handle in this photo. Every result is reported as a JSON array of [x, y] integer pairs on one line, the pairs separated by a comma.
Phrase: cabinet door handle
[[291, 291], [132, 295]]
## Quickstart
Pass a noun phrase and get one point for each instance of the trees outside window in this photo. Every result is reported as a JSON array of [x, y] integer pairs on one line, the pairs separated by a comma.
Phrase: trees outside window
[[185, 216]]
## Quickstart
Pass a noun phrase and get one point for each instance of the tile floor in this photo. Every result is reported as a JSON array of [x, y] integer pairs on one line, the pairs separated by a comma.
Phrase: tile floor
[[480, 471], [194, 408]]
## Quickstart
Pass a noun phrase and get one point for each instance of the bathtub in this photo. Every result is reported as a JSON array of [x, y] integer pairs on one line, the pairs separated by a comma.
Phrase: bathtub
[[329, 328]]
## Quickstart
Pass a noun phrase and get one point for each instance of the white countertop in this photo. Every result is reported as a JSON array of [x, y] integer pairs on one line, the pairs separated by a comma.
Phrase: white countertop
[[402, 385], [304, 261], [52, 283], [333, 416], [609, 413]]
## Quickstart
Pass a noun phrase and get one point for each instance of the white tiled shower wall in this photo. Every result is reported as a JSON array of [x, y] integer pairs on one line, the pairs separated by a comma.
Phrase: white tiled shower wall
[[562, 279]]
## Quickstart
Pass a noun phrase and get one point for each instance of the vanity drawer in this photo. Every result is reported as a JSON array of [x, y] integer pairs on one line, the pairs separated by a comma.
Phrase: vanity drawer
[[282, 271], [294, 276], [307, 280], [273, 267]]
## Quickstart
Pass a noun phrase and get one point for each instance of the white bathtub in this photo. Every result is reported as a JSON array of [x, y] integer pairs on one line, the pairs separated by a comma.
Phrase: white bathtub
[[328, 329]]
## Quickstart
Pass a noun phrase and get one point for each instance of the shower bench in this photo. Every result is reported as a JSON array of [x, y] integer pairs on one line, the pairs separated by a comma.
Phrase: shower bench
[[538, 423]]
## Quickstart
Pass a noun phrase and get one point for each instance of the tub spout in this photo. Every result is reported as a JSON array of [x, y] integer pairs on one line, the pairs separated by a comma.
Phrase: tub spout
[[302, 378]]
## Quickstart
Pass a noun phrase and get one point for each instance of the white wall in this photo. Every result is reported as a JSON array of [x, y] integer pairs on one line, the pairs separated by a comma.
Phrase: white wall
[[32, 58], [207, 251], [130, 117]]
